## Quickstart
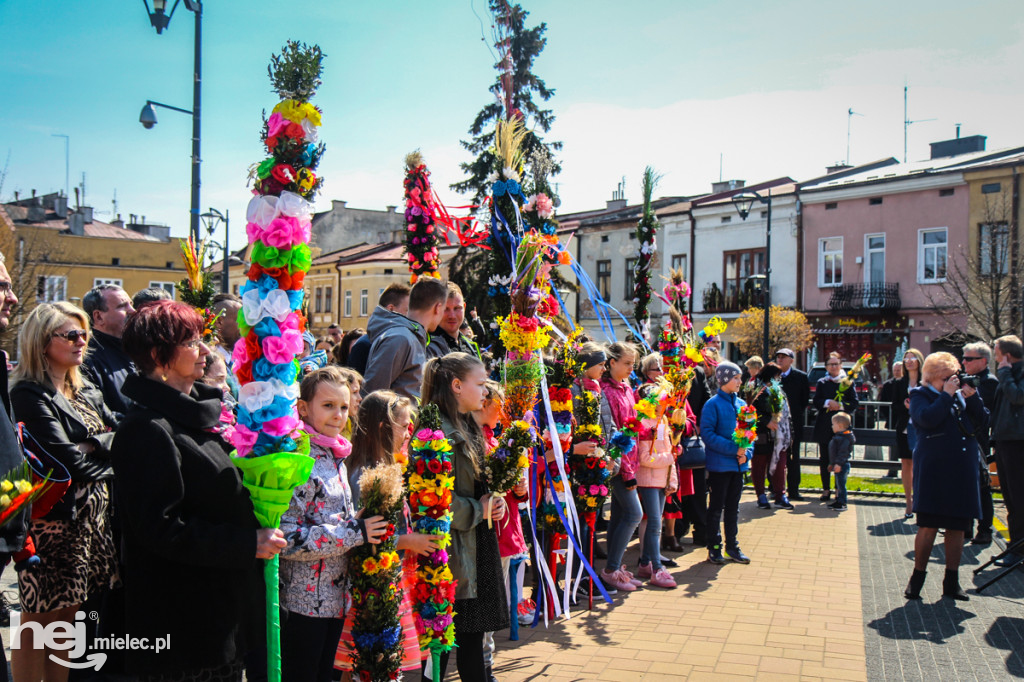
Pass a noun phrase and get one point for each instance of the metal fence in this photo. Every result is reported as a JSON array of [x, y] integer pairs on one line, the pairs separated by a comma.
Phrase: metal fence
[[871, 427]]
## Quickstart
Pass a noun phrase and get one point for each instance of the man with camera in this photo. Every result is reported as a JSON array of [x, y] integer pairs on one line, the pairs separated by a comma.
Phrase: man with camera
[[976, 359], [1008, 433]]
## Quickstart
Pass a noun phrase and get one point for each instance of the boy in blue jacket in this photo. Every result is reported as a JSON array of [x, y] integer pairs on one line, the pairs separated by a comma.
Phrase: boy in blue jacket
[[726, 463]]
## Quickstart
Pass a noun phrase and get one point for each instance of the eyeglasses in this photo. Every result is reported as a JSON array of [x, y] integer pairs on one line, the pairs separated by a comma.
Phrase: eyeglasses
[[967, 359], [194, 344], [72, 335]]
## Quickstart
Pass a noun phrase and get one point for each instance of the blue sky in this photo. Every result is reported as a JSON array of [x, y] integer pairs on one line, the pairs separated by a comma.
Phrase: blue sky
[[673, 84]]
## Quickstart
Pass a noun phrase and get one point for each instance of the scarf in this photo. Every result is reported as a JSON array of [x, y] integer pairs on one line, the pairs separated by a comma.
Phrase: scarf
[[839, 378], [590, 385], [339, 447]]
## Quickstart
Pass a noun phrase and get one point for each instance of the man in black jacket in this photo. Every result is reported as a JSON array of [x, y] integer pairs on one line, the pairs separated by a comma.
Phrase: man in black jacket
[[12, 534], [447, 338], [798, 392], [107, 365], [1007, 420], [976, 359]]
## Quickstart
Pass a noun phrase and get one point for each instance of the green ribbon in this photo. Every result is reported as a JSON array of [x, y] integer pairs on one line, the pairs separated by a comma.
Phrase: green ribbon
[[297, 258]]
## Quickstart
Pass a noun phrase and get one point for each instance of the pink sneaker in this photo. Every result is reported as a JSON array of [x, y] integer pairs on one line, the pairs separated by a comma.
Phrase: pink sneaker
[[663, 579], [617, 580], [644, 571], [630, 577]]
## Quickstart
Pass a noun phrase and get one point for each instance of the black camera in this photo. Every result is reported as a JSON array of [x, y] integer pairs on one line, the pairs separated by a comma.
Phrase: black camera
[[968, 380]]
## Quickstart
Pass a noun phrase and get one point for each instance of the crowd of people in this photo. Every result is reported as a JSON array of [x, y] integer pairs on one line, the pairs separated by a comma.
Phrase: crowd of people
[[158, 535]]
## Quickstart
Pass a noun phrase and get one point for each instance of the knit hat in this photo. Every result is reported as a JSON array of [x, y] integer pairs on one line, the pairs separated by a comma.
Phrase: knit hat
[[725, 372]]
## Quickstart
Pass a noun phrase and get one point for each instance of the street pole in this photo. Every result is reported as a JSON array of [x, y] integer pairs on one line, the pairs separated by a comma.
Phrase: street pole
[[225, 286], [196, 121], [767, 277]]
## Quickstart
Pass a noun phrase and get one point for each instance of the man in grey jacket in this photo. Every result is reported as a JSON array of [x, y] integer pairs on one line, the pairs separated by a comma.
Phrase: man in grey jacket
[[1007, 421], [398, 343]]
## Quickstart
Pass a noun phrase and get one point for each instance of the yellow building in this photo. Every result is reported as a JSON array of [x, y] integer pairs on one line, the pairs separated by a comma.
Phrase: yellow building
[[57, 254], [996, 239]]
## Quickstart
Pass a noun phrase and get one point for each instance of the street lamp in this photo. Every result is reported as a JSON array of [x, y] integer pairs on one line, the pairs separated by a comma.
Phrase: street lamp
[[160, 19], [744, 203], [213, 218]]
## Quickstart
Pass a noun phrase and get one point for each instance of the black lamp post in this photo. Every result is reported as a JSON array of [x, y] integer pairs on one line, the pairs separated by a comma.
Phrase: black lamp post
[[213, 218], [160, 18], [743, 203]]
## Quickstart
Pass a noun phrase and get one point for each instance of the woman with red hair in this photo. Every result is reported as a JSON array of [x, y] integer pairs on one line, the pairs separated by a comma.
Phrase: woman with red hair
[[190, 534]]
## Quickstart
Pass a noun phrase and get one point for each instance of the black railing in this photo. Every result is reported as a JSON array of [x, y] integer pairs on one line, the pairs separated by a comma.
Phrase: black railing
[[876, 296], [717, 301]]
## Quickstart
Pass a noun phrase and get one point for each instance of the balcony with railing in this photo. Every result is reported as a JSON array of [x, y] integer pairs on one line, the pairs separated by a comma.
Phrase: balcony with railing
[[734, 301], [881, 297]]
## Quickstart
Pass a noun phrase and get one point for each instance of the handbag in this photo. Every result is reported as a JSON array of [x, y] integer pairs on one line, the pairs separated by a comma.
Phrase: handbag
[[44, 467], [692, 456]]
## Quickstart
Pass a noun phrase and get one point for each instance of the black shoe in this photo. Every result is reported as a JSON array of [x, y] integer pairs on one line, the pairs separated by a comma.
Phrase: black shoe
[[826, 496], [951, 587], [982, 538], [796, 497], [736, 554], [669, 563], [715, 555], [838, 507], [913, 590], [1009, 560], [5, 611]]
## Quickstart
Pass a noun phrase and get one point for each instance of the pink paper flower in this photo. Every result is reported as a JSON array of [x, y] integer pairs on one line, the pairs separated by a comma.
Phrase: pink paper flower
[[282, 426], [545, 207], [284, 232], [281, 350], [242, 438], [276, 125]]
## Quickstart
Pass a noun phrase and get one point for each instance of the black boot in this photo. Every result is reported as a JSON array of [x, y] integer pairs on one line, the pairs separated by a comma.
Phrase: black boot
[[913, 590], [488, 676], [951, 586]]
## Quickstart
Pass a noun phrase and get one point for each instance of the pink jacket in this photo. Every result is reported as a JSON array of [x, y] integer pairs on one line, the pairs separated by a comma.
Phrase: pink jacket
[[510, 528], [656, 460], [622, 403]]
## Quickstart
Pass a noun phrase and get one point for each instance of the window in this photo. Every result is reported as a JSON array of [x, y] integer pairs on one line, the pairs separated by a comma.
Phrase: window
[[946, 192], [630, 279], [348, 304], [727, 219], [604, 238], [166, 286], [100, 280], [738, 267], [931, 255], [679, 263], [991, 188], [364, 302], [318, 296], [875, 201], [604, 279], [993, 249], [831, 206], [115, 261], [329, 299], [51, 288], [830, 262]]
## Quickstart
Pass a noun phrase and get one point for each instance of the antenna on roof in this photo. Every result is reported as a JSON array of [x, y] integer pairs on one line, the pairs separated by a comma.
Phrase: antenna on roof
[[720, 155], [907, 122], [850, 113]]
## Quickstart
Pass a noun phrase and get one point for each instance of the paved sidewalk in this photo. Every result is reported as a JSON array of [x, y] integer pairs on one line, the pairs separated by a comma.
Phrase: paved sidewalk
[[794, 613], [935, 638]]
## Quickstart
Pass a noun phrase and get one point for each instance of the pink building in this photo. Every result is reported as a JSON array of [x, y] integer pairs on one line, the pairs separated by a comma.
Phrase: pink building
[[876, 243]]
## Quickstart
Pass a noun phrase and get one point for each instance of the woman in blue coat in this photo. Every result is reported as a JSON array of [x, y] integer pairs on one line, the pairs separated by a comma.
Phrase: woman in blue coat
[[947, 418]]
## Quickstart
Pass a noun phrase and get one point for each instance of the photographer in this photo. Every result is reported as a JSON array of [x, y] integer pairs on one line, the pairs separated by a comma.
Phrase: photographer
[[1008, 433], [976, 359], [947, 418]]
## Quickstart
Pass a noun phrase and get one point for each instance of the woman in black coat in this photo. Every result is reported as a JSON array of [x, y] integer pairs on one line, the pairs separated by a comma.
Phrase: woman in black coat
[[906, 436], [65, 415], [946, 493], [825, 392], [191, 539]]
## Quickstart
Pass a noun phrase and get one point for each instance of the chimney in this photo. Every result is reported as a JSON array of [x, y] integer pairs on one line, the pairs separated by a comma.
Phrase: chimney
[[391, 208], [958, 146], [117, 222], [77, 199], [618, 200], [60, 206], [16, 193], [87, 215], [837, 167], [76, 224], [35, 214], [337, 204], [727, 185]]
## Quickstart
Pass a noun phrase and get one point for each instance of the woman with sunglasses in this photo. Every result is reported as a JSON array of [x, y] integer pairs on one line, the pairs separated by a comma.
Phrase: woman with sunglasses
[[66, 416]]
